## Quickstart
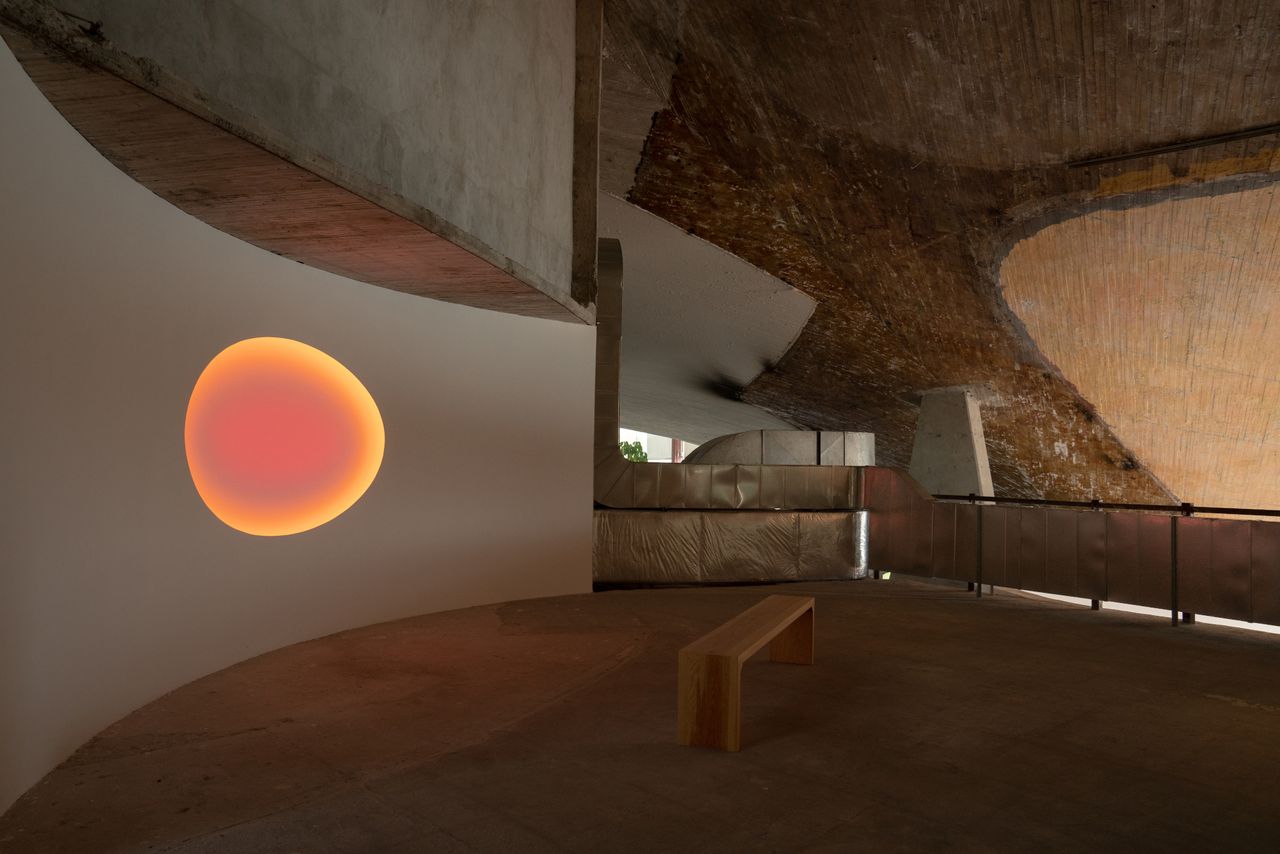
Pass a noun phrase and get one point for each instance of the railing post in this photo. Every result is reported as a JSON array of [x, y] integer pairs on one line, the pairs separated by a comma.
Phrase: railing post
[[1187, 510], [1173, 570], [1187, 616], [973, 499]]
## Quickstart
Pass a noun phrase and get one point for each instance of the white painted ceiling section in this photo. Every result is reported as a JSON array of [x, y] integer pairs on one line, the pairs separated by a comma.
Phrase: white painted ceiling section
[[694, 317]]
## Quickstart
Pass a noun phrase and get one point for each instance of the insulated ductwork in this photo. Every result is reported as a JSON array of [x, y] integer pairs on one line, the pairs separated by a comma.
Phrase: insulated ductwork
[[788, 448]]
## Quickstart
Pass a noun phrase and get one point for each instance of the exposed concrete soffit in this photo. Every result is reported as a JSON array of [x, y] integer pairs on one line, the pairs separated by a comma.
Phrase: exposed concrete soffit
[[700, 325], [386, 239], [622, 484], [1136, 190], [900, 188], [588, 20]]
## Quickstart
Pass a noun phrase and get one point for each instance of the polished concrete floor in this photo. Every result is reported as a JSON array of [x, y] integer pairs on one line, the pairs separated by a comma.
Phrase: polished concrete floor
[[931, 721]]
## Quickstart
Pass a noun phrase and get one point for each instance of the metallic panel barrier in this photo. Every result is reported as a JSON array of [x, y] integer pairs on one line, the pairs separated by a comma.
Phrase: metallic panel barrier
[[693, 547], [884, 522], [1224, 567], [1264, 565]]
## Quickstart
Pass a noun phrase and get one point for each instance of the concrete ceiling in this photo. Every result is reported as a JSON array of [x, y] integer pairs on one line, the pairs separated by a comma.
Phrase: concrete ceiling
[[1167, 317], [880, 156], [883, 155], [375, 143], [698, 326]]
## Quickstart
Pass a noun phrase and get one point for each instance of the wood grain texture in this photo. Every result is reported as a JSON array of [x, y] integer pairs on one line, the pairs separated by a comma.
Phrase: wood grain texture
[[709, 689], [231, 181]]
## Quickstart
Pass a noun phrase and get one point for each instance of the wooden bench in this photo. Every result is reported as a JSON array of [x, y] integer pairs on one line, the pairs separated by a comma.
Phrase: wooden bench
[[710, 682]]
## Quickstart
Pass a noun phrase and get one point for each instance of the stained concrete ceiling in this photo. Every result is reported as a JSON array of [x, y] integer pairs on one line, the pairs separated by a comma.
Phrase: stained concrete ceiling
[[883, 155], [880, 156], [1167, 317]]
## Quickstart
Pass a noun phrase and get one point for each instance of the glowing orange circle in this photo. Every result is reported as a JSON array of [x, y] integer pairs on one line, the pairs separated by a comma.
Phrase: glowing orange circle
[[281, 437]]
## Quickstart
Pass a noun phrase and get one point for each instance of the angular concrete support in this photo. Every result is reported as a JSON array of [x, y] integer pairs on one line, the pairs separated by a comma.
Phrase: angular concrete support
[[949, 456]]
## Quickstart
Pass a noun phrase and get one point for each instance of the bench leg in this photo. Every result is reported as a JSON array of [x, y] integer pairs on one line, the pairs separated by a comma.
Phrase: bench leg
[[709, 712], [795, 644]]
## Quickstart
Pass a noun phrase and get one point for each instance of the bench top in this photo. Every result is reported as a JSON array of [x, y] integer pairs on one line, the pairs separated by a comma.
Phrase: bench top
[[746, 633]]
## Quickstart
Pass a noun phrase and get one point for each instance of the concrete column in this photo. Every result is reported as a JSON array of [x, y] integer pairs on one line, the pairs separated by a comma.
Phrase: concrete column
[[949, 456]]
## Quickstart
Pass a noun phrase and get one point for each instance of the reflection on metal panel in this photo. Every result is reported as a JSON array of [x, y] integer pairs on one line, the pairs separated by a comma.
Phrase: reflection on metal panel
[[1124, 567], [861, 547], [883, 536], [1012, 549], [749, 490], [1265, 569], [1230, 575], [995, 524], [799, 489], [1195, 565], [1031, 552], [1155, 557], [944, 541], [901, 535], [921, 535], [1060, 552], [822, 487], [966, 546], [827, 488], [1091, 555]]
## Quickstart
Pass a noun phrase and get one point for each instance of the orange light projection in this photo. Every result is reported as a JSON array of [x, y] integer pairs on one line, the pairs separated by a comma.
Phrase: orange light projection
[[281, 437]]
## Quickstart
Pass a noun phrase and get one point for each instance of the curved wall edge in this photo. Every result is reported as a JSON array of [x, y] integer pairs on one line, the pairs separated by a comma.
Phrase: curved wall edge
[[117, 584]]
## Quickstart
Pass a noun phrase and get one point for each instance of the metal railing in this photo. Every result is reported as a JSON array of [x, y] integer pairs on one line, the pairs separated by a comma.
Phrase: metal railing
[[1184, 509], [1154, 555]]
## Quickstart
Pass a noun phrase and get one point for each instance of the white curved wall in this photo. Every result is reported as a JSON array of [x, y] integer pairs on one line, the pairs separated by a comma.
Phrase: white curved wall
[[116, 584]]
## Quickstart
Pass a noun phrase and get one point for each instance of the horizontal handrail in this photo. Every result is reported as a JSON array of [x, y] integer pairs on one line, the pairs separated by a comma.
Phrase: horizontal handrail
[[1184, 509]]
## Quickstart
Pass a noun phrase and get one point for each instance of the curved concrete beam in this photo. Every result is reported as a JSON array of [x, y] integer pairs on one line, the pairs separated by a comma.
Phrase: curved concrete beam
[[352, 145]]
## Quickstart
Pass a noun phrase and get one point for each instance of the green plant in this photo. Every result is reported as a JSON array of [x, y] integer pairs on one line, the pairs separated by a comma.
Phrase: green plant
[[633, 451]]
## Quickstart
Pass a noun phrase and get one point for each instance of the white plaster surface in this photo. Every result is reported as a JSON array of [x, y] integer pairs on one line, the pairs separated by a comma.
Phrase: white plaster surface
[[465, 108], [694, 315], [116, 583]]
